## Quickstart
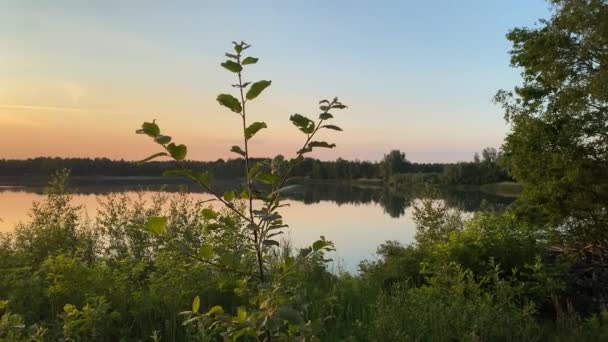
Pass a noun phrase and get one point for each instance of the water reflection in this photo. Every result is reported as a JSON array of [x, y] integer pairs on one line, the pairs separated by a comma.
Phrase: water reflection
[[357, 219], [394, 203]]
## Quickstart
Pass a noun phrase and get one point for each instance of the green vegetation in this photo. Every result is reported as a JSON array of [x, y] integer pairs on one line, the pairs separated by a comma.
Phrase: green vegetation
[[394, 170], [174, 269], [399, 173], [308, 168]]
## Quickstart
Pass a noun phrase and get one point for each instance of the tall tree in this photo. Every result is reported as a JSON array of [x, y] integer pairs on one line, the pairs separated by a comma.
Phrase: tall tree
[[394, 162], [558, 144]]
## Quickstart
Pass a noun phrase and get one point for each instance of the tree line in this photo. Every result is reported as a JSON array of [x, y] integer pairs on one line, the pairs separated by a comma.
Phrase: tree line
[[394, 165]]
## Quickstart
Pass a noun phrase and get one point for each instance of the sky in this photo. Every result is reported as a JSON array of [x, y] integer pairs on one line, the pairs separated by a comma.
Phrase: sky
[[77, 78]]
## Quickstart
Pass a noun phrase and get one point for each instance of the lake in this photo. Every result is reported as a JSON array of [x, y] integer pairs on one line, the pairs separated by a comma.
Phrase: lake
[[357, 219]]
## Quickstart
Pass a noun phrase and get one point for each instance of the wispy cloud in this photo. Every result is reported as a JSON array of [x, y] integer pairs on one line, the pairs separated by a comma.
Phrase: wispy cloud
[[65, 109]]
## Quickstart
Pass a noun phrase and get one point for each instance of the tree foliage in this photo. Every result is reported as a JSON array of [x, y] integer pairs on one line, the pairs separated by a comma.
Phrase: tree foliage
[[558, 145]]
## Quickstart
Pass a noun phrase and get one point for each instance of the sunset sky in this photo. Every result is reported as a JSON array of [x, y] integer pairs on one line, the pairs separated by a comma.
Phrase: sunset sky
[[78, 77]]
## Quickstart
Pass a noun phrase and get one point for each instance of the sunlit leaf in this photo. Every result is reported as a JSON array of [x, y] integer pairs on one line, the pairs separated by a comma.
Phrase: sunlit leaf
[[196, 304], [229, 196], [156, 225], [215, 310], [209, 214], [241, 313], [206, 251]]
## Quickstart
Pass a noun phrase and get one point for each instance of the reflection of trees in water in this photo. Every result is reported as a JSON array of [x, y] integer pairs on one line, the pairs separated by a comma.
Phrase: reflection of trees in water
[[394, 203], [474, 200]]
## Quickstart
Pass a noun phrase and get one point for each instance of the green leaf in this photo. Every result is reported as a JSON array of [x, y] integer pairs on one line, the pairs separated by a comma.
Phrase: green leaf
[[209, 214], [255, 169], [178, 152], [253, 129], [303, 123], [238, 150], [241, 314], [151, 129], [206, 251], [229, 55], [162, 139], [215, 310], [238, 47], [268, 178], [196, 304], [230, 102], [256, 89], [232, 66], [249, 60], [325, 116], [156, 155], [321, 144], [271, 243], [321, 244], [229, 196], [334, 127], [156, 225]]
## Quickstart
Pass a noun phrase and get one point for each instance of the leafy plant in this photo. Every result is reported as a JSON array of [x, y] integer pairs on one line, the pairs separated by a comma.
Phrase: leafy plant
[[259, 224]]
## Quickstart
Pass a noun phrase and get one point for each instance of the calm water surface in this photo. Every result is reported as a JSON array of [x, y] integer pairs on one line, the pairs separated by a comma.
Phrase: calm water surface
[[356, 219]]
